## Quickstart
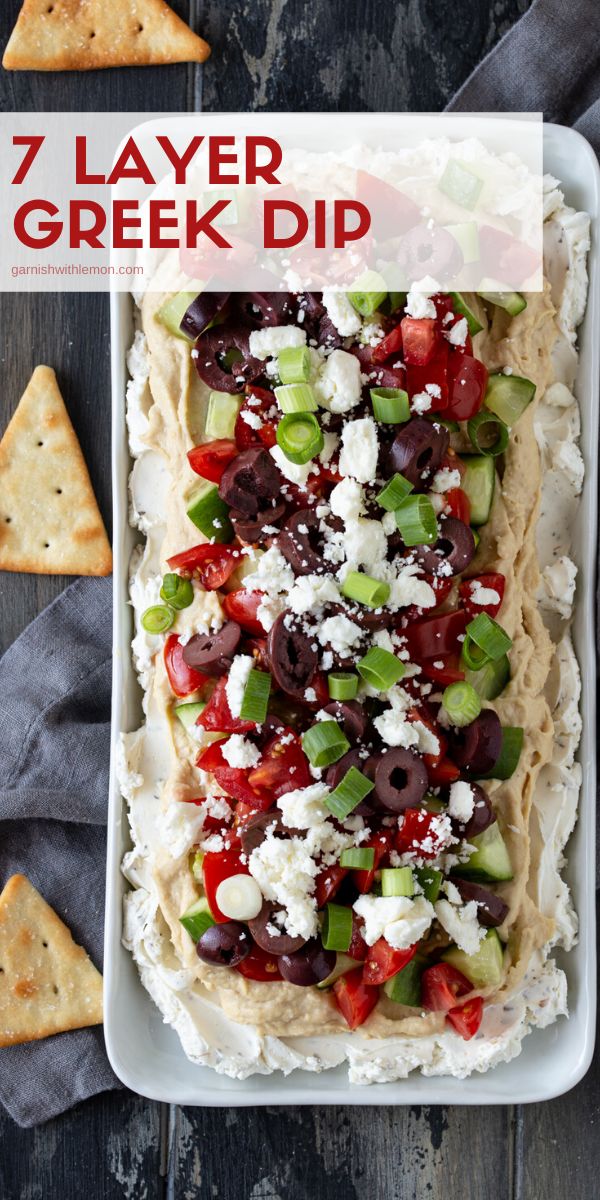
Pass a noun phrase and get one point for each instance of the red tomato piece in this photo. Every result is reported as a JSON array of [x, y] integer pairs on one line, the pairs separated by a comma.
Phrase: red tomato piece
[[392, 212], [442, 586], [260, 966], [442, 773], [284, 765], [435, 637], [467, 378], [382, 844], [210, 460], [358, 948], [436, 372], [466, 1018], [383, 961], [183, 679], [419, 834], [390, 344], [430, 760], [245, 436], [211, 563], [217, 717], [441, 986], [419, 339], [387, 375], [242, 606], [327, 883], [215, 868], [458, 503], [233, 780], [495, 582], [355, 999], [448, 672]]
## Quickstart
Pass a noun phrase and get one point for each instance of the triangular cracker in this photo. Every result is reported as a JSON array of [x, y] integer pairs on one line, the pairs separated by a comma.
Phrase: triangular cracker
[[80, 35], [49, 518], [47, 983]]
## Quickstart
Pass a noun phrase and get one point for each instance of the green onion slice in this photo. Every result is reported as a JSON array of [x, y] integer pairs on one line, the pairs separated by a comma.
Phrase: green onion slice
[[158, 618], [508, 760], [490, 422], [256, 697], [416, 520], [358, 858], [390, 405], [394, 492], [336, 933], [177, 592], [489, 636], [397, 881], [343, 685], [300, 437], [348, 794], [324, 743], [293, 365], [471, 657], [365, 590], [296, 397], [371, 295], [380, 668], [462, 703], [431, 881]]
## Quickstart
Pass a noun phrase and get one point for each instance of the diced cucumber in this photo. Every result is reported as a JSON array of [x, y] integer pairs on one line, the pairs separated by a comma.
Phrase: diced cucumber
[[507, 763], [405, 986], [343, 964], [512, 302], [508, 396], [491, 679], [460, 184], [222, 414], [197, 918], [430, 880], [466, 234], [490, 861], [460, 306], [173, 311], [483, 969], [478, 482], [210, 514], [188, 713]]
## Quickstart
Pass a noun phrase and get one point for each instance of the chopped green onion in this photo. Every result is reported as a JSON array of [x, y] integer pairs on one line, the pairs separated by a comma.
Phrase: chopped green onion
[[489, 636], [471, 657], [293, 365], [343, 685], [416, 520], [365, 590], [358, 858], [336, 933], [371, 295], [158, 618], [396, 300], [397, 881], [256, 696], [210, 514], [462, 703], [324, 743], [394, 492], [348, 794], [177, 592], [431, 881], [197, 918], [508, 760], [390, 405], [222, 414], [486, 420], [380, 668], [296, 397], [300, 437]]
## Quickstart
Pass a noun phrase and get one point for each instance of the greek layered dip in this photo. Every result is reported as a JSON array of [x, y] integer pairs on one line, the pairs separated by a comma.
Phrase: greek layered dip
[[355, 779]]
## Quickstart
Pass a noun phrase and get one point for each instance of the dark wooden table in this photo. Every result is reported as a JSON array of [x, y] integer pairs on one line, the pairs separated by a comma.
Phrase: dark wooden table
[[279, 55]]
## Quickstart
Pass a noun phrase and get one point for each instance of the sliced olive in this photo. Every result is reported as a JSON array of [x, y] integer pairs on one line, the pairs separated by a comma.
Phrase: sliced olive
[[212, 653], [292, 656], [251, 482], [418, 449], [455, 547], [400, 779], [273, 943]]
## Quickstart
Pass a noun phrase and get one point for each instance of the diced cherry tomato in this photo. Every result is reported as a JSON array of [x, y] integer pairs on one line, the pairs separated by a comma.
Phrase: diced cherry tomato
[[390, 344], [458, 503], [443, 305], [441, 986], [354, 998], [392, 212], [386, 375], [260, 966], [242, 606], [430, 760], [435, 637], [358, 948], [211, 563], [467, 378], [383, 961], [233, 780], [245, 436], [453, 462], [419, 338], [299, 497], [466, 1018], [435, 372], [217, 718], [505, 257], [442, 586], [327, 883], [443, 773], [210, 460], [183, 679], [216, 867], [418, 828], [382, 843], [449, 671], [495, 582], [284, 766]]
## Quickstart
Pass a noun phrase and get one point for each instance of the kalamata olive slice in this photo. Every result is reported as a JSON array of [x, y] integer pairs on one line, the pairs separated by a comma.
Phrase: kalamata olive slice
[[259, 309], [280, 943], [254, 831], [455, 547], [301, 542], [209, 355], [337, 770], [202, 311], [371, 619], [351, 716], [476, 747], [249, 529], [491, 909], [224, 945], [400, 779], [418, 449], [292, 657], [250, 482], [309, 304], [328, 335], [483, 815], [212, 653], [426, 250], [312, 964]]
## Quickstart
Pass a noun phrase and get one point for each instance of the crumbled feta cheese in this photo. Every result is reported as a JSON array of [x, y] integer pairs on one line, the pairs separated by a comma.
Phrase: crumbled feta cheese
[[269, 341], [419, 305], [251, 418], [445, 479], [406, 589], [427, 742], [339, 384], [364, 542], [285, 872], [239, 752], [297, 473], [388, 523], [398, 919], [461, 924], [421, 402], [461, 801], [360, 448], [347, 500], [340, 633], [236, 682], [273, 574], [341, 312], [483, 595], [458, 334], [311, 592], [331, 442]]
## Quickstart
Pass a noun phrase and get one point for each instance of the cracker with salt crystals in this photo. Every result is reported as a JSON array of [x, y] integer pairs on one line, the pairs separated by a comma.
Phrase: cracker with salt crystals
[[47, 983], [49, 519], [80, 35]]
